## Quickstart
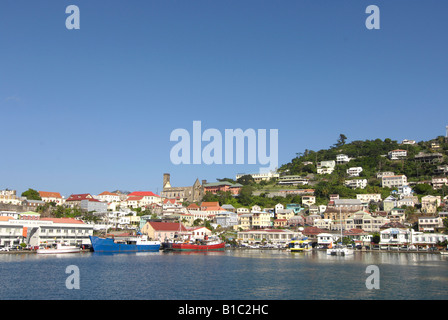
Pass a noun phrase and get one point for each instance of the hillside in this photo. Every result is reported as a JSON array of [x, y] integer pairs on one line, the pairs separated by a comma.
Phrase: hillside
[[372, 157]]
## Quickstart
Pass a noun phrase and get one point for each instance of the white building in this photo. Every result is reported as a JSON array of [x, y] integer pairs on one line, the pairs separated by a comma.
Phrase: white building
[[368, 197], [107, 196], [429, 224], [260, 176], [326, 167], [394, 181], [354, 171], [44, 231], [397, 154], [54, 197], [356, 183], [439, 182], [342, 158], [274, 236], [308, 200]]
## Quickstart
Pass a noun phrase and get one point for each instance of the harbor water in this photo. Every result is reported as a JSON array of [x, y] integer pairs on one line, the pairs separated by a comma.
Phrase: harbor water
[[226, 275]]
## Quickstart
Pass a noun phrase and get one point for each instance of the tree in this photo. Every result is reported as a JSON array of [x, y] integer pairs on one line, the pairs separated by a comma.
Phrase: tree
[[341, 140], [246, 180], [31, 194]]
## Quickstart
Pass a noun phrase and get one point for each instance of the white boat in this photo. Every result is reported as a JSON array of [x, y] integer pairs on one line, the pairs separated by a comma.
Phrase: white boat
[[340, 249], [59, 248]]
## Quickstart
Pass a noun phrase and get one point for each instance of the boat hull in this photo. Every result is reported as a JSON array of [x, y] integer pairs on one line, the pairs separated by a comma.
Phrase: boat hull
[[58, 251], [108, 245], [197, 247]]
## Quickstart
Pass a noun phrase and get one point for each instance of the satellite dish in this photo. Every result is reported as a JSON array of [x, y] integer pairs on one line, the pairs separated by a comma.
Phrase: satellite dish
[[301, 229]]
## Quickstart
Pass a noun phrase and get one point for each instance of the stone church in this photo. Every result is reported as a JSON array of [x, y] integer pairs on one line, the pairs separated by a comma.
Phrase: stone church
[[190, 194]]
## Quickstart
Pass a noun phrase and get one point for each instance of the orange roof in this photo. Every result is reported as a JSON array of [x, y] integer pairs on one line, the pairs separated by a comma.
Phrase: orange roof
[[193, 205], [210, 204], [62, 220], [45, 194], [5, 218], [107, 193]]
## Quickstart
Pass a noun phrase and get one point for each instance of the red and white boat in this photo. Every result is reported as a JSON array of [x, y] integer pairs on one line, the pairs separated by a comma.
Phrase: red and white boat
[[199, 245]]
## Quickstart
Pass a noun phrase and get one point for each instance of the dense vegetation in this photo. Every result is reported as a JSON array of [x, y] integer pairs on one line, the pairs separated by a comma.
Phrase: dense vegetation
[[371, 155]]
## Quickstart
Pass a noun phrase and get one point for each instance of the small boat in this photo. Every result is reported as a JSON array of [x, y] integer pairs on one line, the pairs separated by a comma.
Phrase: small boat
[[131, 244], [59, 248], [199, 245], [339, 250], [444, 253], [302, 245]]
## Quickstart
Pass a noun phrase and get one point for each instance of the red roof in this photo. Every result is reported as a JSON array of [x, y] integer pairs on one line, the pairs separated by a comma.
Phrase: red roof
[[134, 198], [313, 231], [143, 194], [62, 220], [79, 197], [167, 226]]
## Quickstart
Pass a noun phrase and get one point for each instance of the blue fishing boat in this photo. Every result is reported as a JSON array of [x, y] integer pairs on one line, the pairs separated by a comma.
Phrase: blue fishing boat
[[132, 244]]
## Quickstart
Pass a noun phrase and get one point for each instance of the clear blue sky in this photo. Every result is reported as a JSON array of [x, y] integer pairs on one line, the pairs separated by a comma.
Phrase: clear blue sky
[[89, 110]]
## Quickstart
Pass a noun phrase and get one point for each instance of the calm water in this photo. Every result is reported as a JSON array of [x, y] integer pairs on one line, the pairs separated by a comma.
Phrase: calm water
[[229, 275]]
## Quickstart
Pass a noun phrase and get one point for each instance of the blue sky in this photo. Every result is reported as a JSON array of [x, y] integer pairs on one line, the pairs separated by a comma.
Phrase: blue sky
[[89, 110]]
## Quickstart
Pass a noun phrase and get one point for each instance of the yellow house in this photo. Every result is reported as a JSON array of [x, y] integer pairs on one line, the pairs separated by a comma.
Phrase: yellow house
[[261, 220], [285, 214], [245, 221]]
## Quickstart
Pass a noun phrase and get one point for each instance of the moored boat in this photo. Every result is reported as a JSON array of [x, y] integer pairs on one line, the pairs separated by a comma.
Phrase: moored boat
[[132, 244], [204, 245], [339, 250], [301, 245], [59, 248]]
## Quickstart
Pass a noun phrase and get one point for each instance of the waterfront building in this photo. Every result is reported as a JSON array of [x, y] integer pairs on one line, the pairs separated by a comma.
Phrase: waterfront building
[[274, 236], [396, 237], [44, 231], [326, 239]]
